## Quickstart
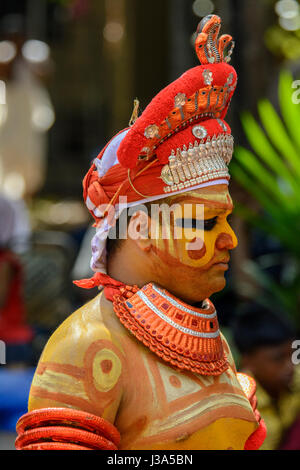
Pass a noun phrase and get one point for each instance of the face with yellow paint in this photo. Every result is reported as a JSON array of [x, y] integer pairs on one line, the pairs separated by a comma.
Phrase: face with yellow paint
[[190, 255]]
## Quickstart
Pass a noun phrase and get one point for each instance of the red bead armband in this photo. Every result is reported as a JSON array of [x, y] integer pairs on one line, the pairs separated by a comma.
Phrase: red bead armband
[[255, 441], [65, 429]]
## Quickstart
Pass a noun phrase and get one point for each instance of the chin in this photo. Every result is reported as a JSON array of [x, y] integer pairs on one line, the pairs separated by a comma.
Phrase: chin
[[199, 293], [216, 286], [197, 288], [220, 285]]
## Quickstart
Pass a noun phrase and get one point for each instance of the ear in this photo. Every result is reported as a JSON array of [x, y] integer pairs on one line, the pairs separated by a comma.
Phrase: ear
[[139, 230]]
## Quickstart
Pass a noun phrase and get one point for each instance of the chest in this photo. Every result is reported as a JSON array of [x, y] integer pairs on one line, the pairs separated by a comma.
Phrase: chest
[[166, 407]]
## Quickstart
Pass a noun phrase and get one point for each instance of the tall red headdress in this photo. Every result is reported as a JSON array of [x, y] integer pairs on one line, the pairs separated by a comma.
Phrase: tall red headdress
[[180, 142]]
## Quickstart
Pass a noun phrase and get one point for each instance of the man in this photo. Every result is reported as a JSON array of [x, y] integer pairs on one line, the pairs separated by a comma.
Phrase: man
[[14, 329], [264, 340], [141, 366], [26, 111]]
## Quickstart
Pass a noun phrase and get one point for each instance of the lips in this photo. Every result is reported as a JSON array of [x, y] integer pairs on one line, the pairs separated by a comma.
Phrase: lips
[[221, 264]]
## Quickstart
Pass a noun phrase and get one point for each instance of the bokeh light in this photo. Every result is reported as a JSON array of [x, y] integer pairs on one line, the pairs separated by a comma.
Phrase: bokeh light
[[43, 118], [287, 8], [290, 24], [36, 51], [60, 213], [8, 51], [203, 7], [113, 31], [14, 185], [66, 212], [289, 14]]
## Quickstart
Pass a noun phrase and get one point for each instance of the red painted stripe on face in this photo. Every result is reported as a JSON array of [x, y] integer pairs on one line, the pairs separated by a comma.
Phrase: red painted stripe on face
[[196, 249]]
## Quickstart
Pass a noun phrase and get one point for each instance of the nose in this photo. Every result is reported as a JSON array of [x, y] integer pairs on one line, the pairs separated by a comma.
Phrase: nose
[[226, 241]]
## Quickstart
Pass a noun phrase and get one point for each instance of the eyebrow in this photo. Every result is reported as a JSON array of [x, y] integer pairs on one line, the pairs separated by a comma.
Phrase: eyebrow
[[215, 213], [211, 203], [221, 208]]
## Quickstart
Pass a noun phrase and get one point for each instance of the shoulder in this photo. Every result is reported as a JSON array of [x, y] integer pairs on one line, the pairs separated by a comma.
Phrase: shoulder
[[76, 334], [82, 363]]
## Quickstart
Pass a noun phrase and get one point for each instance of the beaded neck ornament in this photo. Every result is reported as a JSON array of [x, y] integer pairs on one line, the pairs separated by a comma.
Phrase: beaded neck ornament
[[184, 336]]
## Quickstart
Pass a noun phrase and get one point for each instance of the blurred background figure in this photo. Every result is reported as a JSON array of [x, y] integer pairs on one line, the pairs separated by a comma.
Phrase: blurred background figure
[[26, 112], [264, 341], [15, 333], [14, 330]]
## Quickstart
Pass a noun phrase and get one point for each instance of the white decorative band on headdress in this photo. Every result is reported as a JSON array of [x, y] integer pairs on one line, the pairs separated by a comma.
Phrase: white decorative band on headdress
[[199, 163]]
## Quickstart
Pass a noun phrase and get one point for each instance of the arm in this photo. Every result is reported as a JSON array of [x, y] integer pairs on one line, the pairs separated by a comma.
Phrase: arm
[[65, 429], [248, 386], [80, 370], [256, 440]]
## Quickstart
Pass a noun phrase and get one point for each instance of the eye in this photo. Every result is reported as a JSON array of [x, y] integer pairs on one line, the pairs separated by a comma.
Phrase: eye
[[196, 224], [189, 223], [209, 224]]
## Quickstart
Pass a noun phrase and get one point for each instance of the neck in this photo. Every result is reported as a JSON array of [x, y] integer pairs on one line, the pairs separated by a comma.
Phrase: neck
[[137, 268]]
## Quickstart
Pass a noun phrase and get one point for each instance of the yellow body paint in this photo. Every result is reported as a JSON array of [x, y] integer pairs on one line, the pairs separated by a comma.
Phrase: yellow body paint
[[94, 364]]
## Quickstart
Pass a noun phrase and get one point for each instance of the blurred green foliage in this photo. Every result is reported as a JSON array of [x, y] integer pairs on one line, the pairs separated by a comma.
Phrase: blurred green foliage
[[271, 174], [283, 44]]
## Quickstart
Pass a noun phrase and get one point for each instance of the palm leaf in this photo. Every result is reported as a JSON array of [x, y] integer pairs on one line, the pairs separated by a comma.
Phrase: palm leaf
[[278, 135], [266, 152], [266, 179]]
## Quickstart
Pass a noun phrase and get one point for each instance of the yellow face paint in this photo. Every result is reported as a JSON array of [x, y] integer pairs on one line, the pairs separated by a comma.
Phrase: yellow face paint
[[196, 229]]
